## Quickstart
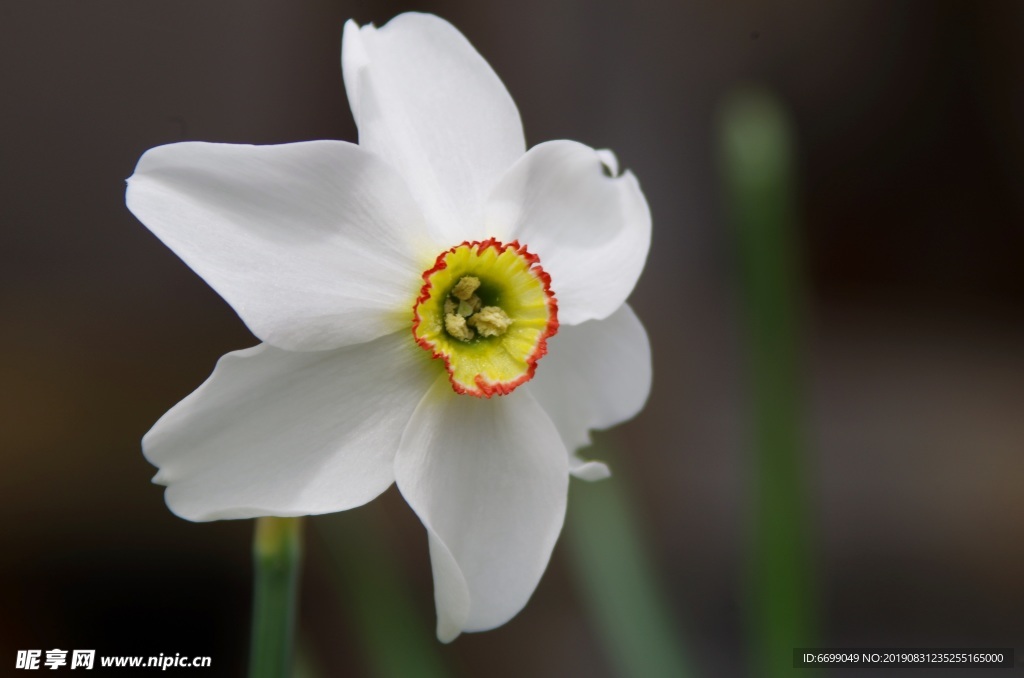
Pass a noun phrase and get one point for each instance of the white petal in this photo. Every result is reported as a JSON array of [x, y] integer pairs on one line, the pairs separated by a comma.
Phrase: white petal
[[609, 160], [282, 433], [588, 470], [489, 480], [590, 230], [314, 244], [595, 375], [428, 103]]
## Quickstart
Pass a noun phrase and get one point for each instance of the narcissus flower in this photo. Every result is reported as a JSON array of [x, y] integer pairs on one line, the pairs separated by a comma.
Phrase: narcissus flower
[[438, 306]]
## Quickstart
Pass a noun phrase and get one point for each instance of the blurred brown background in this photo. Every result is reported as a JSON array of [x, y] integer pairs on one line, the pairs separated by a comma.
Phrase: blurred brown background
[[910, 123]]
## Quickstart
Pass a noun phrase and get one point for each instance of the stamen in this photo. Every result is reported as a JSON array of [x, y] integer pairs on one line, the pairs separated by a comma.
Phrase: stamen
[[463, 307], [455, 325], [465, 287], [491, 321]]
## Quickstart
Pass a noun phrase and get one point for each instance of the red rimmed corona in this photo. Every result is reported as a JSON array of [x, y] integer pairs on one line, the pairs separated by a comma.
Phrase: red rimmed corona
[[487, 310]]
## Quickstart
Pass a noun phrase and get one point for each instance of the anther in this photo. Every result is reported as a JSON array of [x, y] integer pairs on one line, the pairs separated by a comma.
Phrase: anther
[[465, 288], [491, 321], [456, 327]]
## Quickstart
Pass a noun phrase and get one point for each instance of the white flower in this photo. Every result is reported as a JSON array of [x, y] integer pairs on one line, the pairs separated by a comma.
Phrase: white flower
[[325, 247]]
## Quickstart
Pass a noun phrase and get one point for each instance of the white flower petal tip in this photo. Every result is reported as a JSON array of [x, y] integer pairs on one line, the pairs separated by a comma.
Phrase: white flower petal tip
[[589, 470], [609, 160], [592, 230], [451, 594], [427, 103], [489, 480]]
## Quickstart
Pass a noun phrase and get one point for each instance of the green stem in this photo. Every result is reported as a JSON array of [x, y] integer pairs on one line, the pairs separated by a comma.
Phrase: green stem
[[276, 553], [758, 169]]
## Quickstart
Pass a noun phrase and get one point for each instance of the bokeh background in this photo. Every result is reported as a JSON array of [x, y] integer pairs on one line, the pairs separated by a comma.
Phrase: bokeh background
[[907, 119]]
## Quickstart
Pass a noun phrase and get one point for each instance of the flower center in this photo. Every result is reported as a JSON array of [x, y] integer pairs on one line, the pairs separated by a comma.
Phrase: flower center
[[464, 311], [487, 310]]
